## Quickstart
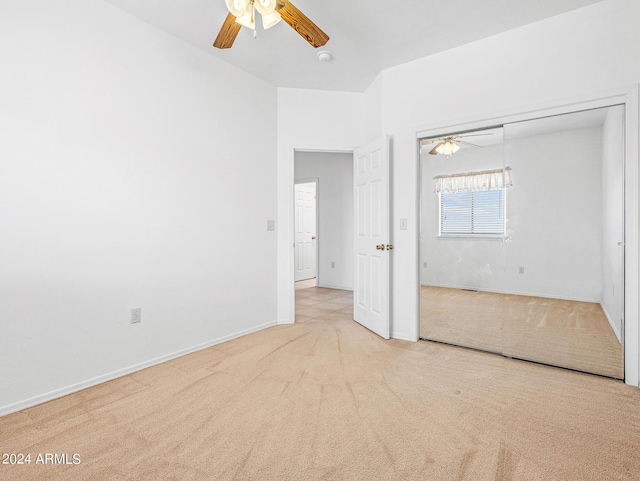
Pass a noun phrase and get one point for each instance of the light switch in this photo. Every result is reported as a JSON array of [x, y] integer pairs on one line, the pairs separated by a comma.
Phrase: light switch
[[403, 224], [271, 225]]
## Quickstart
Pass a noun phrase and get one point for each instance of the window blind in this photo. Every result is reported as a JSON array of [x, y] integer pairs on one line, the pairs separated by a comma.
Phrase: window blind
[[478, 213]]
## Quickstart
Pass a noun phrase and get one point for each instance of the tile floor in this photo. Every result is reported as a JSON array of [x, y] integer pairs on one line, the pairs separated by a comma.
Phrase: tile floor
[[322, 303]]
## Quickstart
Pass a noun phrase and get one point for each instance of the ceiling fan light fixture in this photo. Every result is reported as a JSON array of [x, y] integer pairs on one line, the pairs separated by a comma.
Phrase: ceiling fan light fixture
[[242, 14], [248, 19], [237, 7], [270, 19], [265, 7], [448, 148]]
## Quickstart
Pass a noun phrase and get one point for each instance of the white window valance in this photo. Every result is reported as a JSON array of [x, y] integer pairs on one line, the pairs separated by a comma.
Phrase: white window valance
[[474, 181]]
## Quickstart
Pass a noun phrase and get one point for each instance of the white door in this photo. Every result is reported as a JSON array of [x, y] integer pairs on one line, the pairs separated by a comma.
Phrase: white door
[[305, 231], [372, 241]]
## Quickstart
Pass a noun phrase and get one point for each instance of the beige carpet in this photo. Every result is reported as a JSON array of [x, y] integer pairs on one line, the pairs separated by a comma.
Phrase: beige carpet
[[326, 399], [571, 334]]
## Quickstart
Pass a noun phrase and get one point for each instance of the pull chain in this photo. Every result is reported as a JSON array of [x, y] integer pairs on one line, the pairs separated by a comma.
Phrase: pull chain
[[253, 19]]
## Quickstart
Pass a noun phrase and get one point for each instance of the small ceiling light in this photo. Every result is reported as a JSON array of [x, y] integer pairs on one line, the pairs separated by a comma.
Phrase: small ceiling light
[[448, 148], [237, 7], [325, 56], [267, 8], [270, 19], [247, 19]]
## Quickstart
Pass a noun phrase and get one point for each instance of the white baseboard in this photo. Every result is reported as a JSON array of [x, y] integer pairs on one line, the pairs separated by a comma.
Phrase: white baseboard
[[515, 293], [613, 324], [284, 322], [329, 286], [609, 318], [33, 401], [401, 336]]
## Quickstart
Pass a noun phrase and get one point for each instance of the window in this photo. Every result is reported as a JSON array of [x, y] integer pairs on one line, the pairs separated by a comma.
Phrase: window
[[472, 204], [478, 213]]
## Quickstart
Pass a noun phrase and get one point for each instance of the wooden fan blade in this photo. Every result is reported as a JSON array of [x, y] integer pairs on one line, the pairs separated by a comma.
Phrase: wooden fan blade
[[433, 151], [228, 32], [301, 24], [468, 143], [470, 135]]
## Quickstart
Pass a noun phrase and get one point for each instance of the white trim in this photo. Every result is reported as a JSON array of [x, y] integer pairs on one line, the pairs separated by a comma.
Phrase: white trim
[[414, 334], [514, 293], [627, 96], [324, 150], [33, 401], [402, 336], [341, 288], [631, 329], [611, 323], [546, 109], [475, 237]]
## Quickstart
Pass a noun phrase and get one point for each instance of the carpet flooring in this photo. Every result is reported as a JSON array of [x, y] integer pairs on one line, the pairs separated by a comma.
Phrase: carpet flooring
[[571, 334], [325, 399]]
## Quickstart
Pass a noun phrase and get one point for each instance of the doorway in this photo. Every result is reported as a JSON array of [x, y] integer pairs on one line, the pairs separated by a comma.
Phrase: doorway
[[332, 173], [327, 176]]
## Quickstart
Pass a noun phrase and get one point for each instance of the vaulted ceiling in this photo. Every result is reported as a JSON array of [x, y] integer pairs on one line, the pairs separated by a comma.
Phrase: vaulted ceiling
[[365, 36]]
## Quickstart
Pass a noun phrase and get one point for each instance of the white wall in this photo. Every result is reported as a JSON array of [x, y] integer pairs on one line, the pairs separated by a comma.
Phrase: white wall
[[123, 184], [583, 52], [554, 214], [373, 110], [554, 220], [458, 262], [334, 172], [612, 217], [308, 120]]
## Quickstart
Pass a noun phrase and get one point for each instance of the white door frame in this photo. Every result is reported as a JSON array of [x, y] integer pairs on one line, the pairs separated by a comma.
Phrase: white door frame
[[289, 297], [316, 181], [629, 97]]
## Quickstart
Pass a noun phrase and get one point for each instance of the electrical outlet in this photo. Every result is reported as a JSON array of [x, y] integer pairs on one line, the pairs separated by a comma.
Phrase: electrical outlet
[[520, 270], [424, 264], [333, 265], [136, 315]]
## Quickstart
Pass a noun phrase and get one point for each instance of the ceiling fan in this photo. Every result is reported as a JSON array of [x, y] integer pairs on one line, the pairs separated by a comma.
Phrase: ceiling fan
[[449, 145], [243, 12]]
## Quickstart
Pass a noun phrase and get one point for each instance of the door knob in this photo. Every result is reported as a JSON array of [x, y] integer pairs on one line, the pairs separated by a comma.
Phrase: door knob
[[380, 247], [389, 247], [313, 237]]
